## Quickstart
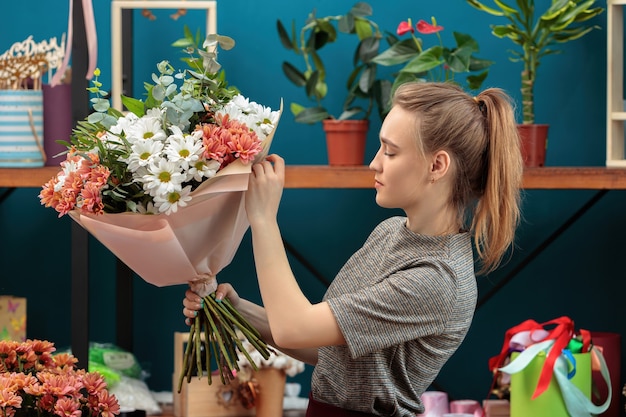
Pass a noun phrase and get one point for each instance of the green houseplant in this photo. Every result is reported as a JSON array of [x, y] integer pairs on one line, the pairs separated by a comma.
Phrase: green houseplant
[[435, 63], [364, 91], [535, 34]]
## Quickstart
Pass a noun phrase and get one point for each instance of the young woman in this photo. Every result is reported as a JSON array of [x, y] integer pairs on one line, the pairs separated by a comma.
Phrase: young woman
[[403, 303]]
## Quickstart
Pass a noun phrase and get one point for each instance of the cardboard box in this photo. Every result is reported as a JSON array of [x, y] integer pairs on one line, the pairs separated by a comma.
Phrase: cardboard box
[[12, 318], [497, 408], [199, 399]]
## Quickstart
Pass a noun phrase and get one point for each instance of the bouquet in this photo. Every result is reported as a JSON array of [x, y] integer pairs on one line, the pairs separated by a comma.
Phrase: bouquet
[[33, 382], [163, 186]]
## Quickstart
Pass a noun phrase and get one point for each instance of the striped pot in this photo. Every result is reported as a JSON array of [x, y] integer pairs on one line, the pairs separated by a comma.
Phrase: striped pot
[[21, 129]]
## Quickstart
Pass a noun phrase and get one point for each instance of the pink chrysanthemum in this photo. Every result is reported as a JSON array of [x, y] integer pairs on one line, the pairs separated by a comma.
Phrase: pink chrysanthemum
[[228, 140]]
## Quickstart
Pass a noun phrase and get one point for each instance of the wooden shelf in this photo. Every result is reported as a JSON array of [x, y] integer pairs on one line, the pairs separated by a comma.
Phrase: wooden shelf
[[324, 176]]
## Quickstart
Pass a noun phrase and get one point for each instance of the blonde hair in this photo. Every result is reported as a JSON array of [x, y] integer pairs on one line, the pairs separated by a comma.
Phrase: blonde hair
[[481, 136]]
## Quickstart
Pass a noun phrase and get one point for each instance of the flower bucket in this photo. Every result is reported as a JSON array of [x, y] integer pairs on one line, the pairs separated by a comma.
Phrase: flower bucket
[[21, 129], [345, 141], [534, 143]]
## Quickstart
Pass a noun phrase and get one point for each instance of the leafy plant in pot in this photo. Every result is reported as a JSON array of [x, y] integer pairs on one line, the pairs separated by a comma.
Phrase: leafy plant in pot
[[535, 34], [435, 63], [364, 92]]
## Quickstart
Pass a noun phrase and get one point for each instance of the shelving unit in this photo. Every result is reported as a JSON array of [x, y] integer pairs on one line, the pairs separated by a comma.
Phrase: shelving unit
[[616, 114], [324, 176], [601, 179]]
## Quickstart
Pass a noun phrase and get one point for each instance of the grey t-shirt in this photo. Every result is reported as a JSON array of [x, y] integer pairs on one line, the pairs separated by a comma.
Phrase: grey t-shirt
[[404, 303]]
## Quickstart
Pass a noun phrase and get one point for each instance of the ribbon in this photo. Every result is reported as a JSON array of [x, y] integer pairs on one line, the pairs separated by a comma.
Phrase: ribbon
[[561, 334], [92, 42]]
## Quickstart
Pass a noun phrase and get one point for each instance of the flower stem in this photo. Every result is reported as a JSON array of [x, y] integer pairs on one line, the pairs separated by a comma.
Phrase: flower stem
[[218, 323]]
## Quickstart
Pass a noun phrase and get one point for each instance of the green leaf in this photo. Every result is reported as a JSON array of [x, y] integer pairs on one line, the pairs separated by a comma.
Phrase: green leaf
[[464, 41], [100, 104], [368, 49], [478, 64], [351, 112], [474, 82], [312, 115], [427, 60], [570, 35], [557, 7], [296, 108], [480, 6], [325, 33], [506, 9], [368, 76], [363, 29], [284, 36], [134, 105], [294, 75], [361, 9], [397, 53]]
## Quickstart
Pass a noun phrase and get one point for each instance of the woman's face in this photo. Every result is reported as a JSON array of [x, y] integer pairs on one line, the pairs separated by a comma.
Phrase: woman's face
[[402, 172]]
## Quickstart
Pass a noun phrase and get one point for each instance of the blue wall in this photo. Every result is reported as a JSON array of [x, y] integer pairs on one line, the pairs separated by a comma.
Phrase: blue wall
[[580, 274]]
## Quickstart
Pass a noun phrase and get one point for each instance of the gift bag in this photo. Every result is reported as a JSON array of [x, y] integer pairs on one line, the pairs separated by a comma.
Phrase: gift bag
[[550, 370]]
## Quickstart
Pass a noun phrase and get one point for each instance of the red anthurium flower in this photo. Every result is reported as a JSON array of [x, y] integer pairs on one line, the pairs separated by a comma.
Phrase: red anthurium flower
[[404, 27], [426, 28]]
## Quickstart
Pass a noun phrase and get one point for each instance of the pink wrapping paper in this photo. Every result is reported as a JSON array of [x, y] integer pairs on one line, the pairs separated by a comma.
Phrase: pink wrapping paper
[[193, 244]]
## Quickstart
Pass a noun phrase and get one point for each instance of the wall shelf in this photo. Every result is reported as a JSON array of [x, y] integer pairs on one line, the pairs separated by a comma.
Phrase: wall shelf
[[324, 176]]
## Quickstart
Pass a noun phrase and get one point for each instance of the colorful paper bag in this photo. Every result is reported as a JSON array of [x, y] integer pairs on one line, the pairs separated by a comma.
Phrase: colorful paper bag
[[550, 369], [12, 318], [550, 403]]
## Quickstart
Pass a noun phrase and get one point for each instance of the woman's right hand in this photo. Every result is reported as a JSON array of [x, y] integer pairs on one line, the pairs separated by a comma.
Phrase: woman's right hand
[[193, 302]]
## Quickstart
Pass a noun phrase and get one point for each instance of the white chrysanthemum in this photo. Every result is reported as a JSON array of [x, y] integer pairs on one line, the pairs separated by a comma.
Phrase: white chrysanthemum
[[163, 178], [145, 128], [183, 149], [143, 153], [242, 102], [155, 112], [123, 123], [169, 203], [260, 119], [203, 168]]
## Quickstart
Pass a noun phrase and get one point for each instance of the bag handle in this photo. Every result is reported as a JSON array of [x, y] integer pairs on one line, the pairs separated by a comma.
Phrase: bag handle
[[578, 405]]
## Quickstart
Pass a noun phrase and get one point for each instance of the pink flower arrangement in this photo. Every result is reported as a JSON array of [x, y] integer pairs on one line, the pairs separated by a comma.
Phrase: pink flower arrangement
[[34, 382]]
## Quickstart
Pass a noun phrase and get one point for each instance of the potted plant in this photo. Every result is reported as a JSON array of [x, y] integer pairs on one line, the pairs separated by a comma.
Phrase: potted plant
[[535, 34], [363, 91], [436, 63]]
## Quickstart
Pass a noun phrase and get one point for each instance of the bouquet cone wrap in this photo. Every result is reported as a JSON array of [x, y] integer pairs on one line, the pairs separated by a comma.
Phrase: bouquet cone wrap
[[195, 242], [192, 244]]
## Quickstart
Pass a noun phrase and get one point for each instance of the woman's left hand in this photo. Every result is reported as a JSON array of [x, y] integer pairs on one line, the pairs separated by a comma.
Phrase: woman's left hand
[[265, 188]]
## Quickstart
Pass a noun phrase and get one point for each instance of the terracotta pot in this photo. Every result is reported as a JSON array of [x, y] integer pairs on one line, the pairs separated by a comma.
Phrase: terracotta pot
[[534, 139], [269, 402], [345, 141]]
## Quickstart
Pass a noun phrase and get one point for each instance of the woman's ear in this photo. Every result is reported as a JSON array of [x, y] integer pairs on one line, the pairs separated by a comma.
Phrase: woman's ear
[[440, 164]]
